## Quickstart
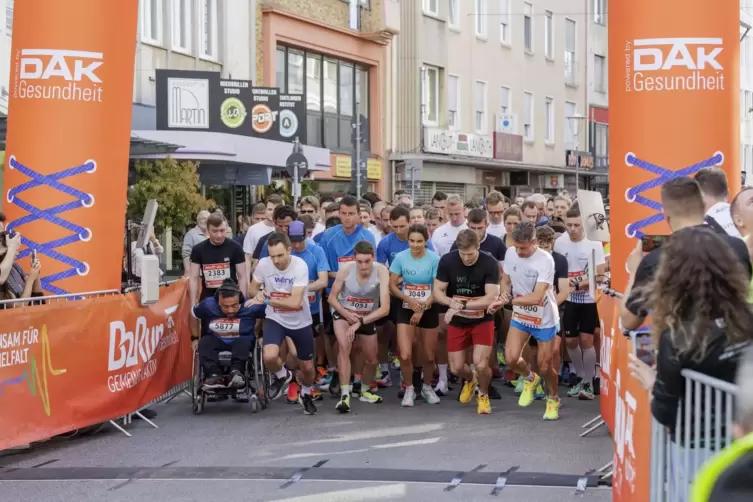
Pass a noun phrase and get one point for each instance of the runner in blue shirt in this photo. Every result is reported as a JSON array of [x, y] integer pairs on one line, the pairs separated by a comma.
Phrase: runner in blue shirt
[[416, 268], [397, 241]]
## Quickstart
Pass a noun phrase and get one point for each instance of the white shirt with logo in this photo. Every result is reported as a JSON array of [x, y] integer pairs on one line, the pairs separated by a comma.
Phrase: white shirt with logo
[[577, 254], [524, 274], [497, 230], [444, 237], [279, 284], [254, 234], [723, 216]]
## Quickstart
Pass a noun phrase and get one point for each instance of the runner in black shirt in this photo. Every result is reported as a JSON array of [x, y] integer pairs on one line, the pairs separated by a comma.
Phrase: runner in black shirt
[[216, 259], [468, 283]]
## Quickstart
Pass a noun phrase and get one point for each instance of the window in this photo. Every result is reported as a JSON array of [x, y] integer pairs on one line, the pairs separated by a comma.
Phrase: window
[[504, 21], [347, 102], [601, 145], [600, 12], [209, 28], [480, 107], [571, 111], [431, 7], [330, 103], [431, 95], [362, 92], [570, 67], [9, 16], [453, 16], [453, 102], [504, 100], [528, 116], [151, 23], [314, 99], [182, 25], [280, 70], [295, 72], [549, 113], [549, 35], [600, 63], [481, 18], [528, 27]]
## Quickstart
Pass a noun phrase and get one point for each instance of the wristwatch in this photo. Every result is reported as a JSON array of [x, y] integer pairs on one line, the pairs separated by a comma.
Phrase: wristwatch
[[464, 303]]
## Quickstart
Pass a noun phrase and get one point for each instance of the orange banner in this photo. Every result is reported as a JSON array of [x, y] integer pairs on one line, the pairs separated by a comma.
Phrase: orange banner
[[674, 83], [609, 312], [69, 365], [69, 121]]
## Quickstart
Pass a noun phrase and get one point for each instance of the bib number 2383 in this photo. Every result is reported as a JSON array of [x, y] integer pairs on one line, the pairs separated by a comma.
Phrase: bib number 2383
[[215, 273]]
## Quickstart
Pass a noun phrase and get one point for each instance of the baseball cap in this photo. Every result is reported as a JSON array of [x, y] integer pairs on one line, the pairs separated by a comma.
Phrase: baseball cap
[[296, 231]]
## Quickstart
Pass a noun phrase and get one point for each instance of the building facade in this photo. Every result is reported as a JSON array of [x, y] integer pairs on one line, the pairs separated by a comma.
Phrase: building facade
[[485, 89], [598, 95], [336, 53]]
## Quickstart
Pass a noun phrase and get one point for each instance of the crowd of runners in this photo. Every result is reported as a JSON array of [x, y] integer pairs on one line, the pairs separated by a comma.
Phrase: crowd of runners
[[342, 291]]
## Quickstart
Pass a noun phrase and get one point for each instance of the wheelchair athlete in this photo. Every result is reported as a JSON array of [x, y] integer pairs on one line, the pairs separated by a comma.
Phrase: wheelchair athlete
[[226, 325]]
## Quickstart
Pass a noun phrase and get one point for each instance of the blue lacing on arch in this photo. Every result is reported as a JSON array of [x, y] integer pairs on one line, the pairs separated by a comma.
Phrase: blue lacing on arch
[[663, 175], [77, 232]]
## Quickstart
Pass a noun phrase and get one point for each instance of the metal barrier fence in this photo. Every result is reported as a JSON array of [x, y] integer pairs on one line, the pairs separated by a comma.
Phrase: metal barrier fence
[[31, 302], [703, 428]]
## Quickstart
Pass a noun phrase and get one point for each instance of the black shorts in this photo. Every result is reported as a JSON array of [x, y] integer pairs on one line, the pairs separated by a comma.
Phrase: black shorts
[[275, 334], [326, 315], [366, 329], [580, 318], [395, 305], [315, 323], [429, 320]]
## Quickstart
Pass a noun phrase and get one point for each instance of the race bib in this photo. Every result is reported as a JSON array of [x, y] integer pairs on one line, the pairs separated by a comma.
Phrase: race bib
[[215, 273], [468, 314], [226, 328], [418, 292], [283, 310], [531, 315], [312, 296], [361, 306], [345, 259], [577, 276]]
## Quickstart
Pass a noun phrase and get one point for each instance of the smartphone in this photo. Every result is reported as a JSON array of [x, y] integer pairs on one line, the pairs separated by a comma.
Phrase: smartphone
[[33, 255], [651, 242], [642, 347]]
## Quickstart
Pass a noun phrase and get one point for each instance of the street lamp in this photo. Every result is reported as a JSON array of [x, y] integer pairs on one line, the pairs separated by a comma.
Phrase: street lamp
[[576, 122]]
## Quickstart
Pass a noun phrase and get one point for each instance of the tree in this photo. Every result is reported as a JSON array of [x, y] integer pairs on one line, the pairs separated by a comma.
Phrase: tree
[[175, 186]]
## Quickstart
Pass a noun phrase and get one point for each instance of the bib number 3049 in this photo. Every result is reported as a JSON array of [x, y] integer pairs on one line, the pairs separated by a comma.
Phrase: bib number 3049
[[417, 292]]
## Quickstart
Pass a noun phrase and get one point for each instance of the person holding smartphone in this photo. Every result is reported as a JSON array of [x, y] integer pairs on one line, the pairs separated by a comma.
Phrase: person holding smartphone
[[14, 283]]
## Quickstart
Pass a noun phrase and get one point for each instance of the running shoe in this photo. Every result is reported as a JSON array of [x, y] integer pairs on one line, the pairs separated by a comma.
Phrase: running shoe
[[586, 392], [574, 390], [309, 408], [529, 386], [552, 408], [401, 392], [369, 397], [277, 386], [483, 406], [429, 395], [539, 394], [501, 357], [214, 382], [334, 384], [316, 394], [453, 379], [237, 381], [241, 396], [519, 385], [292, 397], [321, 375], [395, 363], [343, 405], [356, 389], [442, 388], [494, 393], [466, 394], [409, 399]]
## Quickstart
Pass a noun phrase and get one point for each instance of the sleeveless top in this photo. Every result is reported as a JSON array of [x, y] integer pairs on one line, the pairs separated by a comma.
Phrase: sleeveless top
[[360, 298]]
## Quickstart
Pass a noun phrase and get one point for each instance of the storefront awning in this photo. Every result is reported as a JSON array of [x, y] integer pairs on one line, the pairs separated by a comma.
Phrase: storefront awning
[[499, 165], [141, 146]]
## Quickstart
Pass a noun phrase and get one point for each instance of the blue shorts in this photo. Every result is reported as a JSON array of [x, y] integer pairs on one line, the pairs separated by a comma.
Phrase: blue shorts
[[303, 338], [540, 334]]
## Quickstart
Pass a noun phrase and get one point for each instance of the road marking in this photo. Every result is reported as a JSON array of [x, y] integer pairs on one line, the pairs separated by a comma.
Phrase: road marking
[[323, 454], [417, 442], [384, 492], [378, 433]]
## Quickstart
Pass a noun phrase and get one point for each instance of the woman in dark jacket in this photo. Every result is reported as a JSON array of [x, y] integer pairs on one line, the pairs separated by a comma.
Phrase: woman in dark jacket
[[701, 322]]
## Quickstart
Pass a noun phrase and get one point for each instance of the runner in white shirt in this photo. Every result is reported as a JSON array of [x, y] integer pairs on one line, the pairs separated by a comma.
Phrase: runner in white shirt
[[284, 279], [444, 237], [715, 191], [495, 206], [529, 274], [259, 230], [581, 317]]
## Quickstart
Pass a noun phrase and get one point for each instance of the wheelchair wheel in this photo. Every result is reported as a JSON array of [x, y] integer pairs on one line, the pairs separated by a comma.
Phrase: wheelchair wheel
[[197, 395], [261, 377]]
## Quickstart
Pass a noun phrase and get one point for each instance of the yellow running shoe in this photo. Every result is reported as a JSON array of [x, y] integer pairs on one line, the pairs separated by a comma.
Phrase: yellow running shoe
[[469, 388], [484, 407], [501, 358], [552, 408], [526, 397]]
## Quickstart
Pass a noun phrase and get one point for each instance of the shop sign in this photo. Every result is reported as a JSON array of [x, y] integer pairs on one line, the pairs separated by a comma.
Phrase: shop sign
[[454, 143], [552, 181], [201, 100], [344, 167], [508, 146], [583, 160]]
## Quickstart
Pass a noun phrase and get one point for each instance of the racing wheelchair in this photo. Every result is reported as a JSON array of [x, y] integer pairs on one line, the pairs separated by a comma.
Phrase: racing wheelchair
[[256, 375]]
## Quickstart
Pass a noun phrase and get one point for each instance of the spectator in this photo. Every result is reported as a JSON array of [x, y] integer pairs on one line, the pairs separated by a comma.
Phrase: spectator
[[194, 236], [701, 321], [14, 283], [715, 191]]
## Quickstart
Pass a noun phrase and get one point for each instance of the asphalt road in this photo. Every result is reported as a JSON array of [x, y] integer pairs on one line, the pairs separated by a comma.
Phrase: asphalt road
[[377, 452]]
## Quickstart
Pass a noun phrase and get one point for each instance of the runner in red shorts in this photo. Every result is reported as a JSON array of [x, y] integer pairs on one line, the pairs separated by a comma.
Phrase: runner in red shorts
[[468, 283]]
